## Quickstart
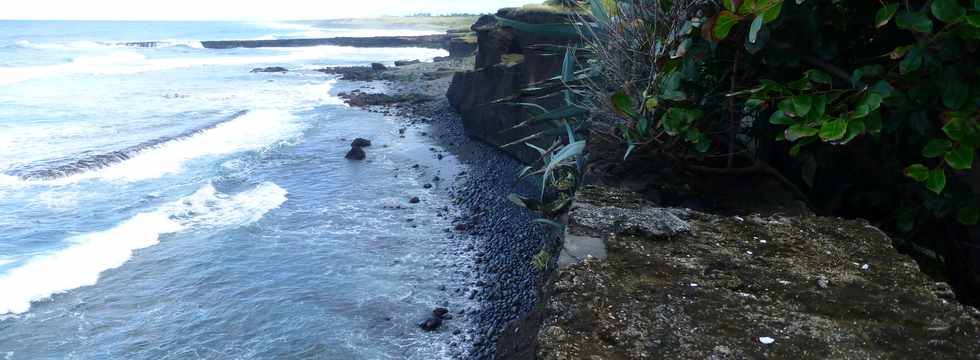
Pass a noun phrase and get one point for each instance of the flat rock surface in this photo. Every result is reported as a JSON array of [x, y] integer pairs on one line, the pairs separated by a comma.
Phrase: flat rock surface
[[746, 288]]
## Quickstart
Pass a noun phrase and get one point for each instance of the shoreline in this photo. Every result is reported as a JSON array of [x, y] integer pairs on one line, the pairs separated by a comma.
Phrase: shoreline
[[503, 235]]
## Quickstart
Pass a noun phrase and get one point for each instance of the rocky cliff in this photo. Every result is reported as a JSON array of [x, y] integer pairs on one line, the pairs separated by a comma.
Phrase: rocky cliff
[[505, 63], [669, 283]]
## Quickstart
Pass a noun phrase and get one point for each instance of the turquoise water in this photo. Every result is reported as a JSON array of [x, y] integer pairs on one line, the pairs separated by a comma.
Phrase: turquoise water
[[165, 202]]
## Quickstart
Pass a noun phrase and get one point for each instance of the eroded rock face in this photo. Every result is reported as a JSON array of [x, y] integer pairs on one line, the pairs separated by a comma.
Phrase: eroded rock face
[[745, 287], [505, 63]]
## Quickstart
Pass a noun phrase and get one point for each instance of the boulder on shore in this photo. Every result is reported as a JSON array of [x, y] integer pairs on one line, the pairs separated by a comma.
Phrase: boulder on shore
[[271, 69], [378, 66], [356, 153]]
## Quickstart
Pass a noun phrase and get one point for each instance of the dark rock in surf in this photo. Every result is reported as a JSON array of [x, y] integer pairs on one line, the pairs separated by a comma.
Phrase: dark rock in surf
[[440, 312], [360, 142], [414, 200], [378, 66], [271, 69], [355, 153], [431, 324], [407, 62]]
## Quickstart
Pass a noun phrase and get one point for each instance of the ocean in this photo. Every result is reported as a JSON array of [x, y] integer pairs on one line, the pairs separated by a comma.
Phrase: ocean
[[165, 203]]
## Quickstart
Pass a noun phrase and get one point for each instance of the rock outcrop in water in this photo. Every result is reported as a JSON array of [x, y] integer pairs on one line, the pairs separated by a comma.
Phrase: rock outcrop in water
[[505, 63], [271, 69], [457, 44]]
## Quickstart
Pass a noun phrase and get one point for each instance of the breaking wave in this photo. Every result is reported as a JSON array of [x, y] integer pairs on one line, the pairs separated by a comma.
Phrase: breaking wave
[[90, 254]]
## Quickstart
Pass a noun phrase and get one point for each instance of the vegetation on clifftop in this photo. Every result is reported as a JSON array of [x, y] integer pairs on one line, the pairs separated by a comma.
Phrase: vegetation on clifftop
[[862, 108]]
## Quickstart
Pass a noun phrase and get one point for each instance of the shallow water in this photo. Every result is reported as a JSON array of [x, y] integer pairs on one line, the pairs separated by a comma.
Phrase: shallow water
[[166, 203]]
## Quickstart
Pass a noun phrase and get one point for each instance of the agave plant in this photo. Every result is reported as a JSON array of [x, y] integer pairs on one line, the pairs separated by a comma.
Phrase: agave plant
[[561, 165]]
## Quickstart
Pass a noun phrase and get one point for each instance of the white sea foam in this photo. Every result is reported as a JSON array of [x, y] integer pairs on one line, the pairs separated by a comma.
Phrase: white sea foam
[[91, 45], [255, 130], [129, 62], [90, 254]]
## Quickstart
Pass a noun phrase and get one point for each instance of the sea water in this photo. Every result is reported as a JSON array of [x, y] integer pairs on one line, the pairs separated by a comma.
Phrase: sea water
[[166, 203]]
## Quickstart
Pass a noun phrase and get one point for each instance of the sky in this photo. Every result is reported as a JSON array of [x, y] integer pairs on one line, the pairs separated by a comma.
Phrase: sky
[[238, 9]]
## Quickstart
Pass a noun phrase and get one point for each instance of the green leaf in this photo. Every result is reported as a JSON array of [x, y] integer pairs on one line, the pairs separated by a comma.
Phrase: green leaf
[[883, 89], [747, 7], [801, 105], [754, 29], [947, 10], [872, 100], [818, 76], [799, 131], [885, 14], [917, 172], [956, 91], [960, 158], [730, 5], [973, 20], [936, 148], [855, 128], [568, 65], [651, 103], [780, 118], [833, 130], [956, 130], [772, 13], [914, 21], [912, 61], [599, 12], [936, 181], [623, 104], [723, 24], [968, 215]]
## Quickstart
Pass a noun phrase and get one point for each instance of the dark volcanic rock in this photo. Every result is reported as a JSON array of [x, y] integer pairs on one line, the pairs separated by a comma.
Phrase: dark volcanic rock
[[353, 73], [431, 324], [407, 62], [440, 312], [362, 99], [378, 66], [356, 153], [414, 200], [271, 69], [360, 142], [505, 63]]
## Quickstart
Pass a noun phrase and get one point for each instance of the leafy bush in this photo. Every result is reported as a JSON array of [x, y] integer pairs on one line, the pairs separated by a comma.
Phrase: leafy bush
[[713, 85]]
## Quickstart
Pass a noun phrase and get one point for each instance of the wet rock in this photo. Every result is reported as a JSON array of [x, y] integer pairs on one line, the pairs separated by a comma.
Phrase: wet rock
[[362, 99], [414, 200], [431, 324], [427, 186], [440, 312], [407, 62], [360, 142], [378, 66], [356, 153], [352, 73], [271, 69]]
